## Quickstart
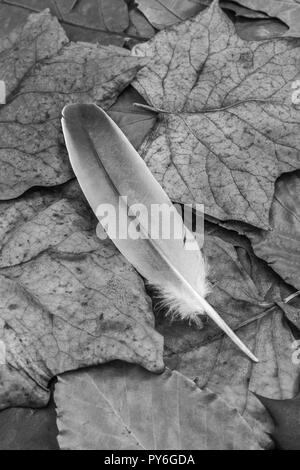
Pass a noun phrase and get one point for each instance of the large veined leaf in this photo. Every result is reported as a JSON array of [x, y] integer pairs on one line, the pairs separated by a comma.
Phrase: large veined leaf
[[67, 300], [43, 72], [227, 127], [247, 294], [124, 407]]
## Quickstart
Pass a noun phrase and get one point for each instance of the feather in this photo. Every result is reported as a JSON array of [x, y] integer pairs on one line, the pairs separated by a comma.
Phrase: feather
[[112, 174]]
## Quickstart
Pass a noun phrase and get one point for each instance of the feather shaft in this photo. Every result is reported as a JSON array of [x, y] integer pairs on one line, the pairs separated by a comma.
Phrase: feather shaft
[[108, 168]]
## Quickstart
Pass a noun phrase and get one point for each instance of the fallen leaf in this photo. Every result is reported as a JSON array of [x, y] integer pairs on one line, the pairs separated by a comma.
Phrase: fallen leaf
[[164, 13], [124, 407], [250, 30], [139, 26], [292, 312], [246, 294], [28, 429], [242, 11], [11, 18], [67, 300], [228, 128], [287, 11], [43, 72], [280, 247], [136, 123], [286, 416], [101, 21]]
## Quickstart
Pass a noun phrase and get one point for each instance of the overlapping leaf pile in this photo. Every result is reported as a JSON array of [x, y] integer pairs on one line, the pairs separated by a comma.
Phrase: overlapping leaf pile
[[217, 126]]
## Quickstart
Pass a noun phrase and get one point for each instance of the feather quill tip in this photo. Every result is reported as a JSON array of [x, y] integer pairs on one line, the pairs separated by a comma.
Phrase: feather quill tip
[[174, 305]]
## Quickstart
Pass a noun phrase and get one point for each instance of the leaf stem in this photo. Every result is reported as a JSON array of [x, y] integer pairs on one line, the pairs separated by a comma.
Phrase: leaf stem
[[257, 317], [151, 108], [243, 324], [74, 4], [203, 111], [220, 335], [291, 297]]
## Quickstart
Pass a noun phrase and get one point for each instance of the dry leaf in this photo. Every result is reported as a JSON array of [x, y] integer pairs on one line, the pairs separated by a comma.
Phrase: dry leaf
[[164, 13], [139, 26], [286, 416], [228, 129], [102, 21], [28, 429], [240, 10], [287, 11], [292, 311], [124, 407], [67, 299], [280, 247], [259, 30], [43, 72], [136, 123], [245, 292]]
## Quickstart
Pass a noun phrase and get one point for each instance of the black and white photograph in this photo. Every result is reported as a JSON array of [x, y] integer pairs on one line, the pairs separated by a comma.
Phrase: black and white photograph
[[149, 227]]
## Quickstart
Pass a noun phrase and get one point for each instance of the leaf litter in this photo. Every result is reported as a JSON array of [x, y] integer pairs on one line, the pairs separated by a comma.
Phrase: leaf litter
[[44, 72], [49, 233], [67, 300]]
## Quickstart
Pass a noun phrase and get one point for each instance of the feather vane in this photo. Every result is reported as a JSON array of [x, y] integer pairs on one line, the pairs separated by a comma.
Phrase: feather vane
[[111, 173]]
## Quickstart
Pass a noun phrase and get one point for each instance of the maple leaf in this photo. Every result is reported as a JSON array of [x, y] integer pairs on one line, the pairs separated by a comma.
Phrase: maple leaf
[[43, 72], [247, 294], [226, 128], [125, 407], [67, 300]]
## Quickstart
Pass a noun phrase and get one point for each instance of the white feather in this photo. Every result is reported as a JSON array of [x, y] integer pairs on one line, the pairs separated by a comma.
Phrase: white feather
[[108, 167]]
